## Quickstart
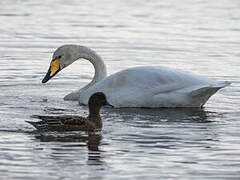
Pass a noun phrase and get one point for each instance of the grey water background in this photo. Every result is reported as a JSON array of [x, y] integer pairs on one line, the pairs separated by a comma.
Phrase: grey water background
[[199, 36]]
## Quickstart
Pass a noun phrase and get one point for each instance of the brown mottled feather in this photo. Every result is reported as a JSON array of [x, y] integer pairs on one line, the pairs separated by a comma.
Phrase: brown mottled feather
[[74, 123]]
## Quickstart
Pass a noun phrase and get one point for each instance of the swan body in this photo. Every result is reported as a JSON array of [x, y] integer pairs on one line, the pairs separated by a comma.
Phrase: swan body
[[154, 87], [145, 86]]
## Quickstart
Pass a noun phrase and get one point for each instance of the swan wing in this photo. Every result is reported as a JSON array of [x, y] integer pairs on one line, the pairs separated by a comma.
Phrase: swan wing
[[150, 87]]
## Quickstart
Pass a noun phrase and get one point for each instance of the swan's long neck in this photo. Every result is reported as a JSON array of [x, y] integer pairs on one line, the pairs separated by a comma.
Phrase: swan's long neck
[[98, 64]]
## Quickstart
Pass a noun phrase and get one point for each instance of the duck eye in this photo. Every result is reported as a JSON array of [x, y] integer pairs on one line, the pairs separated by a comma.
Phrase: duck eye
[[59, 57]]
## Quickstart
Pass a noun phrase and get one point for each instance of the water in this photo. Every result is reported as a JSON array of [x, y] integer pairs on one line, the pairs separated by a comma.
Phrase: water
[[199, 36]]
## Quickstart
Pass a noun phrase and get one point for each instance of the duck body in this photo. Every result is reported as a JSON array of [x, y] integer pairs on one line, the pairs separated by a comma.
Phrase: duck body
[[74, 123], [64, 123], [145, 86], [154, 87]]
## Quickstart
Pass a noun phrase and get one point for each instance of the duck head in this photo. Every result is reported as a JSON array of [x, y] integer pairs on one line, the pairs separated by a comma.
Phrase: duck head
[[97, 100]]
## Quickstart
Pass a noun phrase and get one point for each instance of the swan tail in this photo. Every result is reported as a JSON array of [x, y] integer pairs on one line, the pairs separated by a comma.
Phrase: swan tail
[[222, 84], [209, 90]]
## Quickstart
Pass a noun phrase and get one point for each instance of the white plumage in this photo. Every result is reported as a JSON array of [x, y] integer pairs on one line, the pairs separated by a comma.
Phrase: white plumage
[[154, 87], [145, 86]]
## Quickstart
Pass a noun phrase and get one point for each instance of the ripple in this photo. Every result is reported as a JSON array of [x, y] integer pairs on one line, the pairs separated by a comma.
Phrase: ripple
[[182, 143]]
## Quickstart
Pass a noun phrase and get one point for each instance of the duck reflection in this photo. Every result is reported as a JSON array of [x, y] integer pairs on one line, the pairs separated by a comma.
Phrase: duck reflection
[[70, 148], [92, 140]]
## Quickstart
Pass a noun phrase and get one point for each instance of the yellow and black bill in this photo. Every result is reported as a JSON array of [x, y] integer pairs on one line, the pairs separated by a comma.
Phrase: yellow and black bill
[[53, 70]]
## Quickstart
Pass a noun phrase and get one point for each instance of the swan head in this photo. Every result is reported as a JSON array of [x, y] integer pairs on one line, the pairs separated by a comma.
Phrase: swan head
[[62, 57]]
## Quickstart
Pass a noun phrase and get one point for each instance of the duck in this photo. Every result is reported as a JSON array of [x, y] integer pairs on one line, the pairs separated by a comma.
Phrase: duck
[[141, 86], [74, 123]]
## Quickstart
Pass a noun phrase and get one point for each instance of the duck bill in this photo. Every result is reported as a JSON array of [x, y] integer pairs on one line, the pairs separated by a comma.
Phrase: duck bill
[[52, 71], [108, 104]]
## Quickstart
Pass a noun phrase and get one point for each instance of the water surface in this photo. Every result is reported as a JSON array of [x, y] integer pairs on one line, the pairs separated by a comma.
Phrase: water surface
[[199, 36]]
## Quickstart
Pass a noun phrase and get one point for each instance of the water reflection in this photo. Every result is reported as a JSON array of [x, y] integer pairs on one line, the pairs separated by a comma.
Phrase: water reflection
[[190, 115], [196, 36], [72, 147], [92, 140]]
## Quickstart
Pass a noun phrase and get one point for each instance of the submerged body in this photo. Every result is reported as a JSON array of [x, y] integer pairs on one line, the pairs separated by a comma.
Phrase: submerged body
[[74, 123], [145, 86]]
